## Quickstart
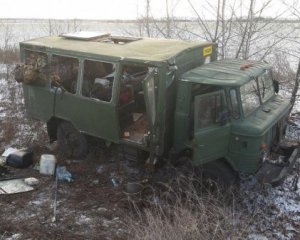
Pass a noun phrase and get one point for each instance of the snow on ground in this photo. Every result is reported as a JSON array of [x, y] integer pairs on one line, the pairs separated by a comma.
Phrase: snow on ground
[[277, 210], [17, 129], [3, 68]]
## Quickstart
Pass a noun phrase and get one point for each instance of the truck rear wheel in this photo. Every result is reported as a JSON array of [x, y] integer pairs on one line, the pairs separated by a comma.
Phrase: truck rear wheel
[[71, 143]]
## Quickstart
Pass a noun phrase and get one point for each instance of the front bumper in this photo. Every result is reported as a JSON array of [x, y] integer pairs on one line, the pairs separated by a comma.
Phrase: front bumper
[[274, 173]]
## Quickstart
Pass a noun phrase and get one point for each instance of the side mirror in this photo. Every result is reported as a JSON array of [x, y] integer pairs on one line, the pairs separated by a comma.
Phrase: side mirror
[[276, 86]]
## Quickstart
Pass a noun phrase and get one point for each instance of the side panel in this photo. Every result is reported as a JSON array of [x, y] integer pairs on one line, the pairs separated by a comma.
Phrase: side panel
[[89, 115], [182, 129], [195, 57], [244, 152], [39, 102]]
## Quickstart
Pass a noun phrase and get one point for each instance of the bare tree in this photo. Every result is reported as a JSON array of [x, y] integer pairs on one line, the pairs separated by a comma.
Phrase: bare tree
[[9, 57], [57, 27], [237, 35], [168, 20], [296, 87], [147, 17]]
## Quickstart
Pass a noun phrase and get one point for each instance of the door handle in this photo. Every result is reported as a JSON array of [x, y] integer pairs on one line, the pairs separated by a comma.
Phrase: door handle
[[195, 144]]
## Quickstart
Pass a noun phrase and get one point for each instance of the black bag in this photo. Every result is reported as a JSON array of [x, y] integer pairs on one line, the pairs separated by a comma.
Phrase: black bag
[[20, 159]]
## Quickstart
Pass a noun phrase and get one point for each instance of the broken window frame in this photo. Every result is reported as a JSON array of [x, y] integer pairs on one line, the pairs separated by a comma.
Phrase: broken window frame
[[75, 82], [115, 66], [42, 70]]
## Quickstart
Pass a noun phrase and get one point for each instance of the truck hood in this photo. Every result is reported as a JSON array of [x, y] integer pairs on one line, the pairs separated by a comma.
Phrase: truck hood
[[263, 118]]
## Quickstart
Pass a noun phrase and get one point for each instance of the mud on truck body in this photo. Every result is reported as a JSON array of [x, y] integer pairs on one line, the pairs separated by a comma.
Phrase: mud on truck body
[[157, 99]]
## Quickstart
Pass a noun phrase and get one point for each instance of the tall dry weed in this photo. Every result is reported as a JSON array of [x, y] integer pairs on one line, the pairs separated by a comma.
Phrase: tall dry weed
[[185, 210]]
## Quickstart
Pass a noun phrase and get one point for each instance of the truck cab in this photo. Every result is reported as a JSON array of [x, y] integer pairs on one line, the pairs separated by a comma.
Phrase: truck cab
[[229, 110]]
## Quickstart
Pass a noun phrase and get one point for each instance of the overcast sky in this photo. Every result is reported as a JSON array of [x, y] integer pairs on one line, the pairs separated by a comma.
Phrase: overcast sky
[[119, 9]]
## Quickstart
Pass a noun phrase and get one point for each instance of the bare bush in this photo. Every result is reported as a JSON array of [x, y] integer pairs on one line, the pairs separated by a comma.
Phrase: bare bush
[[283, 72], [10, 55]]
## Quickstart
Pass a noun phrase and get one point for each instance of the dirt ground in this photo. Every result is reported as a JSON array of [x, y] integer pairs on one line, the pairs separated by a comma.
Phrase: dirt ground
[[93, 207], [90, 207]]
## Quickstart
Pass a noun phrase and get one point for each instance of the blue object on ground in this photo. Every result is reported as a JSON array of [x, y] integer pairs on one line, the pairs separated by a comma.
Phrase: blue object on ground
[[63, 174]]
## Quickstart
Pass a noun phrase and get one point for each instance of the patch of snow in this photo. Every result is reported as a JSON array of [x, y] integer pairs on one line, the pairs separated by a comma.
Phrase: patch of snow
[[3, 68], [83, 220], [256, 237], [102, 209], [277, 209], [14, 236]]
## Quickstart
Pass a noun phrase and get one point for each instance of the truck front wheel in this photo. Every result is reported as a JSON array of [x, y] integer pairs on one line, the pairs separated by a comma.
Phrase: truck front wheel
[[218, 172], [71, 143]]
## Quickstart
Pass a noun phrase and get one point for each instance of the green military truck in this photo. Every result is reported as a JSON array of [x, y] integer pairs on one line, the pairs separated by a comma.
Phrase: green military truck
[[157, 99]]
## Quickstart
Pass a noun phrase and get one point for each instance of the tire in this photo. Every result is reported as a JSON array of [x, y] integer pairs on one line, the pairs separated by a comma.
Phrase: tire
[[71, 143], [217, 172]]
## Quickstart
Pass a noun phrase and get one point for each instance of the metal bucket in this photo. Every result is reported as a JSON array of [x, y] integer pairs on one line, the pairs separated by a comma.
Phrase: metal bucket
[[133, 191]]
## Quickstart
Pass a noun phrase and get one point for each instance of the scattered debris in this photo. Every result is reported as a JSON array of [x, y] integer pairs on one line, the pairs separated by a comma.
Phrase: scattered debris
[[96, 181], [31, 181], [20, 159], [137, 116], [47, 164], [126, 134], [114, 181], [133, 191], [100, 169], [63, 174], [11, 186], [9, 151]]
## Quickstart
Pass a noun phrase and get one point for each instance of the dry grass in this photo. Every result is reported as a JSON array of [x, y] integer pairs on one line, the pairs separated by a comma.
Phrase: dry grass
[[187, 212], [8, 131]]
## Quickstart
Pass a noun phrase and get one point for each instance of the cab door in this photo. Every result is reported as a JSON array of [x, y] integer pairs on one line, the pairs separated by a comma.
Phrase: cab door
[[150, 98], [149, 86], [211, 127]]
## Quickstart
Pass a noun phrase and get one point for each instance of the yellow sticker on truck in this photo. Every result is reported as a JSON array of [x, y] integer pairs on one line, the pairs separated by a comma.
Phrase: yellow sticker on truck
[[207, 51]]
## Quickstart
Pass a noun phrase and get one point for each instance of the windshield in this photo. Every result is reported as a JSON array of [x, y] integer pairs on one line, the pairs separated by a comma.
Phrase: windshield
[[258, 89], [265, 84], [250, 97]]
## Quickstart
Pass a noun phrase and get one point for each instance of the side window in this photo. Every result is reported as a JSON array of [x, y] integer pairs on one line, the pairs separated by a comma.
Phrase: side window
[[132, 84], [34, 69], [235, 112], [210, 110], [249, 97], [98, 78], [64, 73]]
